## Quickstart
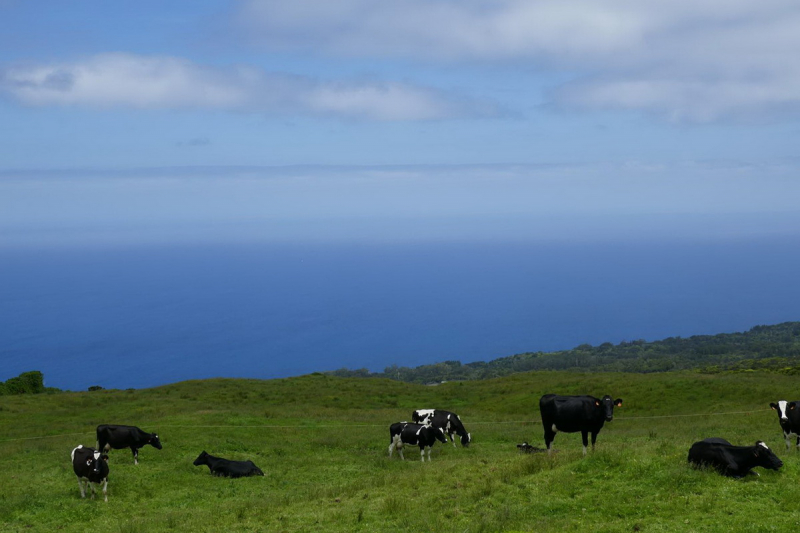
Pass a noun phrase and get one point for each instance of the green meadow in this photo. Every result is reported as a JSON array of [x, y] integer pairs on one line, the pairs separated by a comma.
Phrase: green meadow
[[322, 442]]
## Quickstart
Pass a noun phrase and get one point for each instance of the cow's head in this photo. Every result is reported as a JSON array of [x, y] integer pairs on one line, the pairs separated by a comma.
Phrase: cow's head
[[96, 462], [466, 438], [783, 407], [765, 457], [606, 405], [154, 441], [201, 459], [440, 434]]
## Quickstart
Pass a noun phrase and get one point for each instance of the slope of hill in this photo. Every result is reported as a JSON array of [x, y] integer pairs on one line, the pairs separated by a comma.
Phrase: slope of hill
[[322, 442], [775, 347]]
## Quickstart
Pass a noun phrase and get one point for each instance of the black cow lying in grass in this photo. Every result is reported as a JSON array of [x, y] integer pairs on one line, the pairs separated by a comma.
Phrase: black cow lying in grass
[[424, 436], [91, 467], [227, 468], [730, 460], [117, 437]]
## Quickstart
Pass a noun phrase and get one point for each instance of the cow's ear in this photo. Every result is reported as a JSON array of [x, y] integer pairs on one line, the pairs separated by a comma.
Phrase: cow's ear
[[791, 406], [597, 403], [774, 406], [618, 402]]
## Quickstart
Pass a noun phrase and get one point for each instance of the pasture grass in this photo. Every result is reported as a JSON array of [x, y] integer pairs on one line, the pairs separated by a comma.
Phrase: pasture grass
[[323, 445]]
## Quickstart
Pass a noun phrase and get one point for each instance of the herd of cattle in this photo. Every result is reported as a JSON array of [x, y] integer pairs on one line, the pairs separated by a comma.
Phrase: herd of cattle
[[568, 414]]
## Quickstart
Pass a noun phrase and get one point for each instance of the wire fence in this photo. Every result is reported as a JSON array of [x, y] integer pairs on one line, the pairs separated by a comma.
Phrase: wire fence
[[341, 426]]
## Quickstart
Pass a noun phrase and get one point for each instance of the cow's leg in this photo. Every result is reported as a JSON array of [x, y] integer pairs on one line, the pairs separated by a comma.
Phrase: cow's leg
[[549, 435], [585, 438], [788, 438], [429, 453], [105, 489], [91, 488], [453, 440], [80, 486], [798, 442], [422, 453], [594, 438], [135, 455], [400, 451]]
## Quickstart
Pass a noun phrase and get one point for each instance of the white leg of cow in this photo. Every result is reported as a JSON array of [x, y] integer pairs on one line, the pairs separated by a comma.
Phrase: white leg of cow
[[400, 451], [80, 486], [105, 489], [391, 449], [422, 454], [788, 439]]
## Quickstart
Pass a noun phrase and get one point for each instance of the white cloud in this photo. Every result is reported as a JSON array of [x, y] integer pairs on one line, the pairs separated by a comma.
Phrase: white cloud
[[689, 60], [147, 82]]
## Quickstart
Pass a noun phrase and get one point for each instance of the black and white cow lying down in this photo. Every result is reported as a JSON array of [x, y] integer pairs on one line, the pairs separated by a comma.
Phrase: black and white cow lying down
[[571, 414], [227, 468], [405, 433], [91, 467], [789, 418], [115, 436], [730, 460], [449, 422]]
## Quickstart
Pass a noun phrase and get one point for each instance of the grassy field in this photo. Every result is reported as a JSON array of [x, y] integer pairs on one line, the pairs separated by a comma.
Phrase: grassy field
[[322, 443]]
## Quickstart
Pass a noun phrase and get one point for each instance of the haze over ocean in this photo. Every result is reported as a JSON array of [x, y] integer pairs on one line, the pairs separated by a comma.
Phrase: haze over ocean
[[142, 316]]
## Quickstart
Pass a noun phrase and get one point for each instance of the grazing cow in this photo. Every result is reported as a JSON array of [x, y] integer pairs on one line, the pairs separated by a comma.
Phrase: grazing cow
[[92, 467], [571, 414], [447, 421], [227, 468], [424, 436], [117, 437], [789, 417], [730, 460]]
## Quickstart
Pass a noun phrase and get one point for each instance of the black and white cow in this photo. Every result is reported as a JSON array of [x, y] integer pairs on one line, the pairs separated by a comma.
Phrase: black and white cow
[[117, 437], [730, 460], [571, 414], [422, 435], [227, 468], [91, 467], [449, 422], [789, 417]]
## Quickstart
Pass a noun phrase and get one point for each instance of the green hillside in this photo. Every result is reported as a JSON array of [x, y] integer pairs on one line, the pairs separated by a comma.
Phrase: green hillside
[[322, 442], [774, 348]]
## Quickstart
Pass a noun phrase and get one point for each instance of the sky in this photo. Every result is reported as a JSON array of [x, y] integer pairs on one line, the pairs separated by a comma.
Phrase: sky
[[225, 120]]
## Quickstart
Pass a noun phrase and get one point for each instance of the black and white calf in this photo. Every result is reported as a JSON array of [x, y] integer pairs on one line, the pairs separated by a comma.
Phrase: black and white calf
[[571, 414], [789, 417], [730, 460], [447, 421], [118, 437], [227, 468], [91, 467], [405, 433]]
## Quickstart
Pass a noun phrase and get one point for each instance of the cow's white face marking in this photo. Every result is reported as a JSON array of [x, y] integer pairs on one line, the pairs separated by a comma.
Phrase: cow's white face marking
[[762, 444], [782, 409], [96, 456]]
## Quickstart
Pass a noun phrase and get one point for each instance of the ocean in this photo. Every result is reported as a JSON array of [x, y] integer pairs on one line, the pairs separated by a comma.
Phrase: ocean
[[144, 316]]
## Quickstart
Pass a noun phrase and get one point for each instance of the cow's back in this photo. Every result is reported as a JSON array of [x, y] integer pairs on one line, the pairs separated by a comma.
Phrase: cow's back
[[569, 413]]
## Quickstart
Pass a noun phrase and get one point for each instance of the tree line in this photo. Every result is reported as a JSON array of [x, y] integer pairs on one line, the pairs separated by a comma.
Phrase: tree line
[[774, 348]]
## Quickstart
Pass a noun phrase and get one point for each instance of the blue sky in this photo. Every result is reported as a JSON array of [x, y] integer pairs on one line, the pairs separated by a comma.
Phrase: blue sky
[[410, 120]]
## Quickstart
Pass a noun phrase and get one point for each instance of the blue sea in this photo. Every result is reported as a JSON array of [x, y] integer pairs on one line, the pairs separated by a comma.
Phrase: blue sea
[[149, 315]]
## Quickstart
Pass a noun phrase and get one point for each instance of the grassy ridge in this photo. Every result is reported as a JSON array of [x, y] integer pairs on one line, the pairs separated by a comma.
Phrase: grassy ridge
[[322, 441]]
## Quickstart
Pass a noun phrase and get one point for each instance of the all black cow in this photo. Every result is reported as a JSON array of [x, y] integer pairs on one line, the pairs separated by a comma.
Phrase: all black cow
[[789, 417], [571, 414], [118, 437], [227, 468], [422, 435], [730, 460], [447, 421], [91, 467]]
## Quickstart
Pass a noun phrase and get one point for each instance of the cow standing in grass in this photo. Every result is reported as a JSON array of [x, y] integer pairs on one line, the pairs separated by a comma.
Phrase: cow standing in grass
[[405, 433], [91, 467], [447, 421], [571, 414], [118, 437], [789, 418]]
